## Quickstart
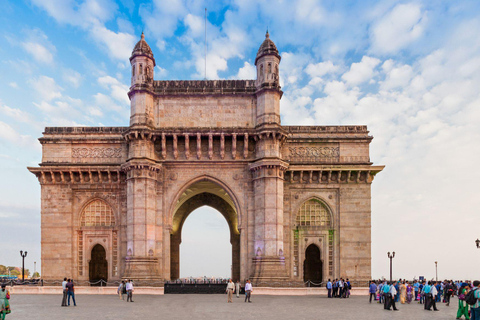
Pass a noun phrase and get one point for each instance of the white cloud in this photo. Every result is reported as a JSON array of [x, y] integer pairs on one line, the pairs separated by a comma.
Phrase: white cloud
[[118, 90], [248, 71], [46, 88], [92, 15], [38, 52], [161, 72], [118, 45], [72, 77], [404, 24], [13, 84], [320, 69], [38, 46], [361, 71], [10, 135]]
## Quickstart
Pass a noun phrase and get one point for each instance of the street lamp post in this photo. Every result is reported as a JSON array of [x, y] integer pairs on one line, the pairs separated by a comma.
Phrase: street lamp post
[[23, 254], [436, 271], [391, 256]]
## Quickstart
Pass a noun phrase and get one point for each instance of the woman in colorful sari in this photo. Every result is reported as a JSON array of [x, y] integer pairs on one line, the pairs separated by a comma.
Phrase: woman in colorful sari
[[410, 292], [462, 305], [4, 305], [403, 292]]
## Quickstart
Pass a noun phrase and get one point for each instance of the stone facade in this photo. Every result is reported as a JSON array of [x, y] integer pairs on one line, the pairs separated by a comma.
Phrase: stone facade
[[296, 198]]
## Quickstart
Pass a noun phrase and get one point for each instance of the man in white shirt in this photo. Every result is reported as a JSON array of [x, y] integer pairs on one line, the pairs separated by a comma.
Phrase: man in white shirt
[[392, 293], [129, 287], [432, 301], [248, 291], [64, 287]]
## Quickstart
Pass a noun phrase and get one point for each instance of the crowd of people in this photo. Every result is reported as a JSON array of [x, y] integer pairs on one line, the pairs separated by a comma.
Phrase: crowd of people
[[339, 288], [126, 288], [428, 293]]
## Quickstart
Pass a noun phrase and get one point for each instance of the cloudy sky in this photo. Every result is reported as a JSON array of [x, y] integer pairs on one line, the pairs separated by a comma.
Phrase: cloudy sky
[[410, 70]]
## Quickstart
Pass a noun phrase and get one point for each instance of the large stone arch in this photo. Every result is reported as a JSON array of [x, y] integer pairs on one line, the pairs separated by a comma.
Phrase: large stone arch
[[203, 191]]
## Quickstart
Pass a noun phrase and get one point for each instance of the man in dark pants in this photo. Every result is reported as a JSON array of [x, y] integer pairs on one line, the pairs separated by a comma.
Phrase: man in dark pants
[[329, 288], [393, 293], [386, 296], [335, 288], [432, 297], [372, 290], [64, 287]]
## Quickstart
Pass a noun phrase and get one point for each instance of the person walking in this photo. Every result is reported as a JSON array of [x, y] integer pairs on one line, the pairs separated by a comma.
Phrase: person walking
[[129, 287], [372, 290], [463, 306], [410, 292], [475, 309], [121, 289], [71, 292], [449, 290], [403, 292], [64, 288], [248, 291], [393, 293], [237, 288], [230, 288], [4, 303]]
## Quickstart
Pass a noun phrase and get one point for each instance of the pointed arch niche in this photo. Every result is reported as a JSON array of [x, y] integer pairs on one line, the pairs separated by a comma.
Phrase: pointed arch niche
[[97, 225], [314, 225]]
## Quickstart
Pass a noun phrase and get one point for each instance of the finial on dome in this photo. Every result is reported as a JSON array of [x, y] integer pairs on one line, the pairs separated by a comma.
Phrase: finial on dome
[[267, 35], [143, 36]]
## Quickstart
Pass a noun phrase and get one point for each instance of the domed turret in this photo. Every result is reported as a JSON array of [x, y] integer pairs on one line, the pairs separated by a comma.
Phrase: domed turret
[[143, 63], [267, 62], [267, 48], [142, 49]]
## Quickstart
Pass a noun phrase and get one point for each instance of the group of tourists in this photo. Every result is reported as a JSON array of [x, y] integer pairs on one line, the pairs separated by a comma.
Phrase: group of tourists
[[428, 293], [339, 288], [4, 303], [126, 288], [68, 292], [235, 288]]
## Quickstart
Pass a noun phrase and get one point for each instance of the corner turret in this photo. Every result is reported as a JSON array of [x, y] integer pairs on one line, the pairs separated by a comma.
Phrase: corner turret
[[142, 62], [267, 62]]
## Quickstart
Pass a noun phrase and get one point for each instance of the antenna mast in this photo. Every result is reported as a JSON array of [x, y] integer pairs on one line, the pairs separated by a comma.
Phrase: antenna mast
[[205, 43]]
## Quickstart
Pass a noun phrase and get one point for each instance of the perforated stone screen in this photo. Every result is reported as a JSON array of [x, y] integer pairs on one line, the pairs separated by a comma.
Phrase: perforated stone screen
[[97, 213], [313, 213]]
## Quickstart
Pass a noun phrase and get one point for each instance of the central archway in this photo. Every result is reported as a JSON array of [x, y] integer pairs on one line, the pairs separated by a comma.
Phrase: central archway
[[98, 265], [312, 267], [198, 194]]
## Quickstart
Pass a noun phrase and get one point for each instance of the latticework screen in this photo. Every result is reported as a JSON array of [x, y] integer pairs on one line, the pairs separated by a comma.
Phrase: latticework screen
[[97, 213], [313, 213]]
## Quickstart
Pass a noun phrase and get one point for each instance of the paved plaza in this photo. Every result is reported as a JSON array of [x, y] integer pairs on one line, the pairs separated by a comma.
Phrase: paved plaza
[[194, 307]]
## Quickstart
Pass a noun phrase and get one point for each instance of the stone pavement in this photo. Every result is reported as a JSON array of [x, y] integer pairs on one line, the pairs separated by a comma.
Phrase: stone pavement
[[194, 307]]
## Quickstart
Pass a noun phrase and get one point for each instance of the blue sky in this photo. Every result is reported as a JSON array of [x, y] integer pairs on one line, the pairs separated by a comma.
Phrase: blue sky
[[410, 70]]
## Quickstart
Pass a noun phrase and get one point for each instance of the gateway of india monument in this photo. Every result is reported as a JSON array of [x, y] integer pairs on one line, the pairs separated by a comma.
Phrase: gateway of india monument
[[297, 199]]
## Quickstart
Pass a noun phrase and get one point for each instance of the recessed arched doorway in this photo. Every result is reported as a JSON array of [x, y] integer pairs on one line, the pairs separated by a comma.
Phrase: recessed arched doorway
[[199, 194], [98, 265], [312, 266]]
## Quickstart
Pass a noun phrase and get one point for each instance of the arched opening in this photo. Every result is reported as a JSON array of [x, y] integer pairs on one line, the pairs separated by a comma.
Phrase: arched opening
[[205, 249], [312, 266], [98, 265], [200, 194]]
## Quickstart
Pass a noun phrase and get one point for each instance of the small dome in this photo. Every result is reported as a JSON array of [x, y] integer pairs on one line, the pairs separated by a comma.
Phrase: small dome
[[267, 48], [142, 48]]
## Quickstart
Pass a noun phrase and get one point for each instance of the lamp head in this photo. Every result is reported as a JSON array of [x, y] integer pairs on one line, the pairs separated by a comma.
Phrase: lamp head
[[477, 242]]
